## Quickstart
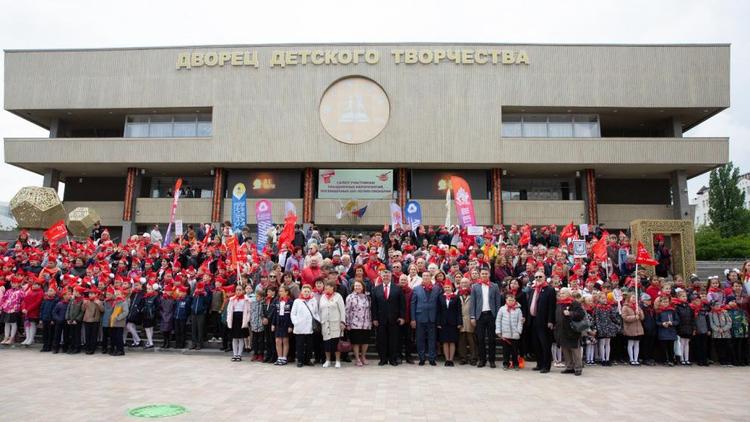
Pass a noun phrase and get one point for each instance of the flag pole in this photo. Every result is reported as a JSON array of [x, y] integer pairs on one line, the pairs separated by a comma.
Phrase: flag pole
[[637, 299]]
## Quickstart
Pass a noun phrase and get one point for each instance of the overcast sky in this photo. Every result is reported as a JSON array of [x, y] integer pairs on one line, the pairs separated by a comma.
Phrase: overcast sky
[[94, 24]]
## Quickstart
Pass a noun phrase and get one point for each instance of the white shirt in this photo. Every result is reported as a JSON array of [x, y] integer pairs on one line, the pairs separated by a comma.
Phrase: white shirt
[[415, 281], [485, 298], [239, 306]]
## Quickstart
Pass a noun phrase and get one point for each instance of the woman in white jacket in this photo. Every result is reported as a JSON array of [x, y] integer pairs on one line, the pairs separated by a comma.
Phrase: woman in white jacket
[[508, 327], [238, 320], [304, 313], [332, 321]]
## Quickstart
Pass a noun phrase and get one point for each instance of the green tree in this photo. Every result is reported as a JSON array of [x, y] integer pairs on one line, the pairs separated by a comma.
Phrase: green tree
[[726, 201]]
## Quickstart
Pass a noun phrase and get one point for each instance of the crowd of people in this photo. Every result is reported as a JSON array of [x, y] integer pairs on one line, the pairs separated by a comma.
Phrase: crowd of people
[[315, 299]]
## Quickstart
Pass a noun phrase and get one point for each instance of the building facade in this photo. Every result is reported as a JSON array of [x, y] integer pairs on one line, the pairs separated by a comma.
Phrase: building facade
[[542, 133], [700, 200]]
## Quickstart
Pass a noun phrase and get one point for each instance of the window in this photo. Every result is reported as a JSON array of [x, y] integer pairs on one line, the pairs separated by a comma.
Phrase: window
[[535, 126], [516, 189], [551, 126], [586, 126], [512, 126], [168, 126], [184, 125], [560, 127], [136, 127], [192, 187]]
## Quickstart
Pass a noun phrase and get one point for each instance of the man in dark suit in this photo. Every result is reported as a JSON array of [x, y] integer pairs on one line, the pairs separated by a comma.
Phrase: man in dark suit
[[542, 308], [485, 302], [424, 304], [388, 313]]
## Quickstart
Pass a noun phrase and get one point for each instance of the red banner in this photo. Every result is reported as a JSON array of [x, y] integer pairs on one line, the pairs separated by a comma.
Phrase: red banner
[[643, 257], [600, 248], [56, 232], [463, 201], [231, 244]]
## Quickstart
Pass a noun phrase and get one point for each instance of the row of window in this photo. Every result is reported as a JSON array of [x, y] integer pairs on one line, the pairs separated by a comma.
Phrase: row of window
[[168, 125], [514, 126], [551, 126]]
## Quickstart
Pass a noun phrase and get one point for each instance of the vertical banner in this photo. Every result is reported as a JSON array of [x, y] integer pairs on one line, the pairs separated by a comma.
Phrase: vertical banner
[[177, 187], [464, 203], [413, 214], [447, 207], [178, 227], [239, 207], [231, 244], [397, 217], [264, 219]]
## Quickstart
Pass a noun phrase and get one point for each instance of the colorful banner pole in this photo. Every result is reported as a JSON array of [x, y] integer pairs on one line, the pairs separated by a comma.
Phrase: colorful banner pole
[[239, 207], [464, 203], [173, 211], [264, 219]]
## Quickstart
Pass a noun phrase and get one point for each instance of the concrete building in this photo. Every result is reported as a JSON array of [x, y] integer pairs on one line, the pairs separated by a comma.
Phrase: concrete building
[[700, 200], [542, 133]]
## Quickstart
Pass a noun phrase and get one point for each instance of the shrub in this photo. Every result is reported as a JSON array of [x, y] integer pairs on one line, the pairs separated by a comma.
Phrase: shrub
[[711, 246]]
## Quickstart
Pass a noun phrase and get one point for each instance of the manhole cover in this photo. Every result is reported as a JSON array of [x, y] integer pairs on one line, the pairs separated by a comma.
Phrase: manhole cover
[[157, 411]]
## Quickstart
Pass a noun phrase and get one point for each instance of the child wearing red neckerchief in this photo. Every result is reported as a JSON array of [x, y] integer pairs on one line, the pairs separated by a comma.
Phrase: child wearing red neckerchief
[[589, 336], [607, 323], [256, 326], [667, 321], [281, 324], [508, 328], [266, 312], [721, 332], [632, 315]]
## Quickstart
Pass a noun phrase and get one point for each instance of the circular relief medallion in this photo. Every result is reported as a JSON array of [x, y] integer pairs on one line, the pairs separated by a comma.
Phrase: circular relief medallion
[[354, 110]]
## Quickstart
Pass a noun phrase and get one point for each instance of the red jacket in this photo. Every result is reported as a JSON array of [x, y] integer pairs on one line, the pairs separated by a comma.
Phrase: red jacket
[[31, 303], [310, 274]]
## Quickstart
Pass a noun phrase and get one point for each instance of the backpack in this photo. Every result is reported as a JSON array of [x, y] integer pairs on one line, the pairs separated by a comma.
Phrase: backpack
[[581, 326]]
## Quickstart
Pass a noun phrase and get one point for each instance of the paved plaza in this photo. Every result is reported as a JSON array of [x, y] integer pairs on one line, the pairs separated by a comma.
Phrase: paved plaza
[[43, 387]]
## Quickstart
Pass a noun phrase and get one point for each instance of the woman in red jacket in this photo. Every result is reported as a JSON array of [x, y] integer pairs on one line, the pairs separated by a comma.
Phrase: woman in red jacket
[[30, 305]]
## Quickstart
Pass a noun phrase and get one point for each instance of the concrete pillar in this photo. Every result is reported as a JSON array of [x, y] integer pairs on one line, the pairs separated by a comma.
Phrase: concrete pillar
[[676, 128], [128, 229], [51, 179], [680, 205], [54, 128]]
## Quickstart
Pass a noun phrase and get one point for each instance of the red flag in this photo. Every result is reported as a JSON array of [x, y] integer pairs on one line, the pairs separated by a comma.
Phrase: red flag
[[643, 257], [231, 244], [600, 248], [56, 232], [287, 233], [525, 235], [567, 232]]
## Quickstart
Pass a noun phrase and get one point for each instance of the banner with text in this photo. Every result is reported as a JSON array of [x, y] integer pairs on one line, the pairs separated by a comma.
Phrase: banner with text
[[264, 219], [239, 207], [355, 184]]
